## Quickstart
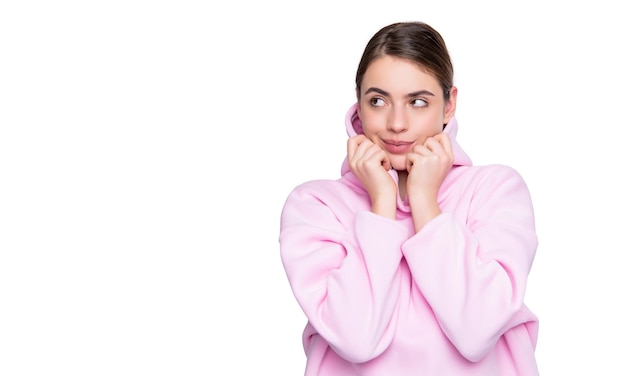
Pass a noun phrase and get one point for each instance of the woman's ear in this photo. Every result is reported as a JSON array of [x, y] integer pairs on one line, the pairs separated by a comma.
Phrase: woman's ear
[[450, 106], [358, 103]]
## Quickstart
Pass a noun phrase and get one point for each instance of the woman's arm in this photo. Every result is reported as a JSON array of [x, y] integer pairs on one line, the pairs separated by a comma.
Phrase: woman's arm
[[344, 271], [473, 271]]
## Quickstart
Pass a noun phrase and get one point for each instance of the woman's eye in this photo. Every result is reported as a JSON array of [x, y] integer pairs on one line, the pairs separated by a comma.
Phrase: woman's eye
[[419, 103], [377, 102]]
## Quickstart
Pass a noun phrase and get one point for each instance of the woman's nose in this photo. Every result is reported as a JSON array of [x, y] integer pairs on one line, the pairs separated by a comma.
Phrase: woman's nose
[[397, 120]]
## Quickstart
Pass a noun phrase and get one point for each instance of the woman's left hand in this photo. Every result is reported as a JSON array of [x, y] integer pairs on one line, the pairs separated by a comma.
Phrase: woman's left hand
[[428, 164]]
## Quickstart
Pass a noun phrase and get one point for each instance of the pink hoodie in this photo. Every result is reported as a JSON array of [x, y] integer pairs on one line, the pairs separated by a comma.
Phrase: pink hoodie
[[383, 300]]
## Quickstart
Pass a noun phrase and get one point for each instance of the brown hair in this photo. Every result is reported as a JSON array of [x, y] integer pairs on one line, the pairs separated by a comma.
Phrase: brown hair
[[414, 41]]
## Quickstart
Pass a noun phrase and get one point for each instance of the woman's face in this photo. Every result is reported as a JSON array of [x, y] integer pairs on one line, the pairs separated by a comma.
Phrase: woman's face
[[401, 105]]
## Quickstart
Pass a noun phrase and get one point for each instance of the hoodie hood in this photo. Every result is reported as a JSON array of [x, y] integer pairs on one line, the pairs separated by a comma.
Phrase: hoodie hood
[[354, 127]]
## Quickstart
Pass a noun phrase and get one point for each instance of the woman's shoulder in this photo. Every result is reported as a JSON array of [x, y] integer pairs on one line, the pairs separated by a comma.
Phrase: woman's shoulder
[[329, 192], [486, 178], [488, 171], [330, 187]]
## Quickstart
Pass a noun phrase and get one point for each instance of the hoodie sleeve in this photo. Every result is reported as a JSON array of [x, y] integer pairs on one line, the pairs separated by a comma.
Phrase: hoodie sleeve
[[473, 272], [343, 268]]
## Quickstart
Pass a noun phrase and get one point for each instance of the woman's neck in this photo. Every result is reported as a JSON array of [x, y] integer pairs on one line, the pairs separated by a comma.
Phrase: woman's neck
[[402, 177]]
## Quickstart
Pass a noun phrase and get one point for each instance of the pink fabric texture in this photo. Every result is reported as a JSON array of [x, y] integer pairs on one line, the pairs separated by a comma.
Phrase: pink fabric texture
[[383, 300]]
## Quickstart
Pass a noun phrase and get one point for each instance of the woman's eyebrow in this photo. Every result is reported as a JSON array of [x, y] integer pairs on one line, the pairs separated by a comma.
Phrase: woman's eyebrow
[[409, 95], [418, 93], [377, 90]]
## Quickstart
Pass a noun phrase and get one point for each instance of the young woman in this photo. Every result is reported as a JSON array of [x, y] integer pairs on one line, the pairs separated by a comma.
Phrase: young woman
[[415, 261]]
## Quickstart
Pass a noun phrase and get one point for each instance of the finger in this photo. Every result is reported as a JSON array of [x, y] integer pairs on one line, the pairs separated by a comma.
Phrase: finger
[[372, 151], [410, 161], [384, 159], [354, 143], [434, 145], [386, 163], [427, 141], [365, 151], [421, 149], [445, 142], [415, 159]]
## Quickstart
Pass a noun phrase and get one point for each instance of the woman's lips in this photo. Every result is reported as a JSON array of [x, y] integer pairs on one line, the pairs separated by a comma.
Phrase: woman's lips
[[397, 147]]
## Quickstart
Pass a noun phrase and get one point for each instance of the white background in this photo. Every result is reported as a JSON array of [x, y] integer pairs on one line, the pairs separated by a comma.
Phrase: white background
[[147, 147]]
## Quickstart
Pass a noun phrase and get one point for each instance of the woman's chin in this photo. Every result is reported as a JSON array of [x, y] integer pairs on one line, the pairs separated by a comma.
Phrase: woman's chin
[[398, 163]]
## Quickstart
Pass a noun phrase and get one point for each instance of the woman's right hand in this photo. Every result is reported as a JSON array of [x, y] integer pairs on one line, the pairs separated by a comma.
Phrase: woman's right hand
[[370, 164]]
